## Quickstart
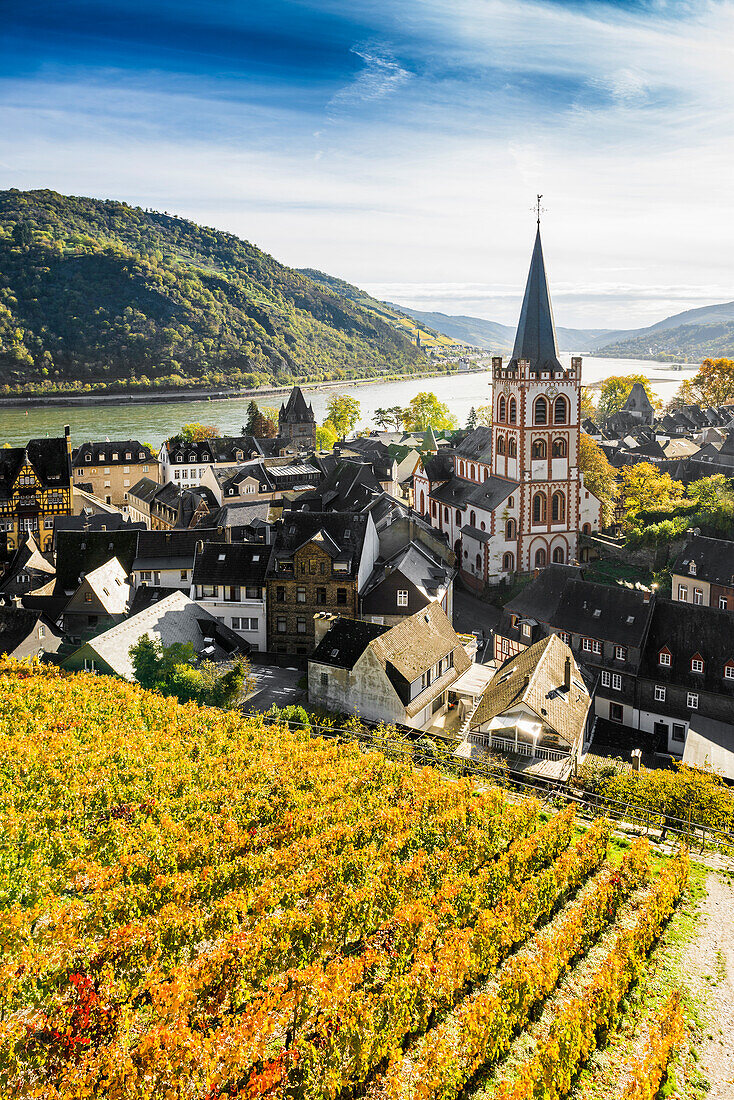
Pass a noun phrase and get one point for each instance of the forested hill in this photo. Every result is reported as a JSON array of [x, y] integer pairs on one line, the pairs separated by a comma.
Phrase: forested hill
[[101, 293]]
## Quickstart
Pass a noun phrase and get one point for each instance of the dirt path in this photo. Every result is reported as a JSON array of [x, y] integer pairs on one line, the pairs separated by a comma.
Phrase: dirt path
[[708, 968]]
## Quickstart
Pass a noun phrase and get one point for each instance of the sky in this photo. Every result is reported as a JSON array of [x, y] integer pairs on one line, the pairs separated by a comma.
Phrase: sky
[[400, 144]]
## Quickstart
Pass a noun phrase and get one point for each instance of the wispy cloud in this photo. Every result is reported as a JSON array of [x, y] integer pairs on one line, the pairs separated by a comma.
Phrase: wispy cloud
[[380, 77]]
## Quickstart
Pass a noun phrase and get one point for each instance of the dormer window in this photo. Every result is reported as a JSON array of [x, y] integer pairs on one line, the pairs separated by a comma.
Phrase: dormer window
[[179, 458], [102, 458], [729, 670], [141, 454], [697, 663], [87, 458], [115, 456], [192, 458], [128, 455], [664, 658], [692, 568]]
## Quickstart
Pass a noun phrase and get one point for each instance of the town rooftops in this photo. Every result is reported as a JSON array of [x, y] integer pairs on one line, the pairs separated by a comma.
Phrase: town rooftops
[[637, 400], [611, 613], [476, 445], [459, 492], [539, 599], [419, 642], [166, 549], [340, 534], [20, 636], [144, 489], [109, 584], [79, 552], [710, 560], [690, 631], [231, 563]]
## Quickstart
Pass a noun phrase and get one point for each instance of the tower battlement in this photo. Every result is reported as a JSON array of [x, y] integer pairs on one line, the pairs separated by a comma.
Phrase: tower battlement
[[520, 369]]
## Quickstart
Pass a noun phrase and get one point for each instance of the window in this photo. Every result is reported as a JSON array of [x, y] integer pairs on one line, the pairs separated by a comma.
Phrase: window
[[280, 624], [512, 447], [501, 409], [558, 508], [41, 631], [590, 646], [679, 732], [660, 693], [446, 514], [472, 471], [696, 664], [729, 672], [252, 592], [458, 516], [559, 448], [540, 559], [606, 679], [620, 653], [723, 603], [510, 529], [87, 597], [664, 658], [526, 630], [402, 598], [500, 444], [559, 410], [616, 682], [341, 595], [565, 637], [513, 411], [324, 679], [479, 563], [89, 666], [473, 518], [539, 448], [539, 508], [433, 508], [300, 594], [541, 411], [280, 594], [559, 555], [508, 562], [692, 568], [682, 592], [209, 590], [616, 712], [184, 574], [698, 595], [692, 700], [301, 624]]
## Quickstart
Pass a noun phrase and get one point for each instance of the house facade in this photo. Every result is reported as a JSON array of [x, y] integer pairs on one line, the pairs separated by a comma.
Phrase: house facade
[[111, 469], [36, 487], [703, 573], [229, 582]]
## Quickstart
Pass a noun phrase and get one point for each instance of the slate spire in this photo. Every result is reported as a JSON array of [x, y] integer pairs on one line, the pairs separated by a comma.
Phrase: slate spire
[[536, 332]]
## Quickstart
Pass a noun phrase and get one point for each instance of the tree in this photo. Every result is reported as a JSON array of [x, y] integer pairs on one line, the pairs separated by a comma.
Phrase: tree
[[194, 433], [645, 487], [426, 411], [471, 420], [599, 476], [389, 418], [484, 416], [616, 389], [343, 413], [260, 422], [588, 408], [325, 437], [252, 413], [712, 385], [175, 670]]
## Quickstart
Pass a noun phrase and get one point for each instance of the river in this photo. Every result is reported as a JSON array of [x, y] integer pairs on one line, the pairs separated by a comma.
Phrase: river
[[154, 422]]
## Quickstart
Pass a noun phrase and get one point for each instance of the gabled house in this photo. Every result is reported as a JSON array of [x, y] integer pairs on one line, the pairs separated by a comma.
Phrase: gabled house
[[165, 559], [401, 675], [173, 619], [25, 633], [535, 710], [35, 488], [27, 569], [704, 573], [229, 581], [321, 562], [102, 598]]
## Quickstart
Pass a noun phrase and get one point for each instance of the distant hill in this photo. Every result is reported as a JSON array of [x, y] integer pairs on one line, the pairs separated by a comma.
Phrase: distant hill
[[99, 293], [693, 334], [404, 320]]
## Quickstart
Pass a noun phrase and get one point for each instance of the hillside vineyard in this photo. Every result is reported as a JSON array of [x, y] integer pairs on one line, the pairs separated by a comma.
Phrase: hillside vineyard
[[203, 906]]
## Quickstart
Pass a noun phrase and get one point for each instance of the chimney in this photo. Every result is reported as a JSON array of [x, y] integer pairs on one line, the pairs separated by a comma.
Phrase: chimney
[[646, 596], [322, 621], [567, 675]]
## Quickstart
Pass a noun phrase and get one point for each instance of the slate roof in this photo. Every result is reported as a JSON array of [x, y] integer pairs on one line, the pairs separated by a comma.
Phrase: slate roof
[[686, 630], [610, 613], [166, 549], [18, 633], [476, 445], [419, 642], [101, 454], [416, 563], [459, 492], [713, 558], [535, 339], [28, 558], [345, 641], [109, 584], [231, 563], [79, 552], [144, 489], [96, 521], [351, 486], [296, 411], [173, 619], [236, 515], [539, 599], [535, 678], [637, 400], [341, 535]]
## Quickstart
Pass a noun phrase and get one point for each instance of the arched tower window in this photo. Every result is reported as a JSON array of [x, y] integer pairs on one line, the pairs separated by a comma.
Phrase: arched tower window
[[539, 508], [508, 562], [501, 409], [458, 516], [559, 556], [539, 449], [500, 444], [472, 472], [541, 411], [540, 558], [513, 411], [461, 468], [559, 410], [423, 502], [510, 529], [512, 447], [559, 448], [558, 508]]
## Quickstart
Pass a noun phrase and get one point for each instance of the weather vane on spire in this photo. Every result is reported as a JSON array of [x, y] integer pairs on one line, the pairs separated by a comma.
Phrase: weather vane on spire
[[538, 209]]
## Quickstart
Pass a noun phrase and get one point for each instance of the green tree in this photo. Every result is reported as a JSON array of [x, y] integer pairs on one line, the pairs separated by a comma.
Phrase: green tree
[[471, 420], [599, 476], [644, 487], [616, 389], [325, 437], [389, 418], [426, 411], [712, 385], [175, 670], [484, 416], [194, 433], [343, 413]]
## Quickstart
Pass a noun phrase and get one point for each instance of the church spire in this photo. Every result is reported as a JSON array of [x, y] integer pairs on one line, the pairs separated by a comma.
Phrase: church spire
[[535, 339]]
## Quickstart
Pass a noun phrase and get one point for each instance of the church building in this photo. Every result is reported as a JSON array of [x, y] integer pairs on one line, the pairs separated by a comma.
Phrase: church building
[[512, 499]]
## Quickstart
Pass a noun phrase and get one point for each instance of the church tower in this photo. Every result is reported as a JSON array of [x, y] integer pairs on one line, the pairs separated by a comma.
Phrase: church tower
[[537, 405]]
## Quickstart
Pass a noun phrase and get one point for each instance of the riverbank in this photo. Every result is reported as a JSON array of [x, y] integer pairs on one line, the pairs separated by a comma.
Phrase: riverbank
[[148, 397]]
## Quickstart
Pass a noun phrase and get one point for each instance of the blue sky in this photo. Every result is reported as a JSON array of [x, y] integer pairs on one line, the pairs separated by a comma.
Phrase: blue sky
[[400, 144]]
